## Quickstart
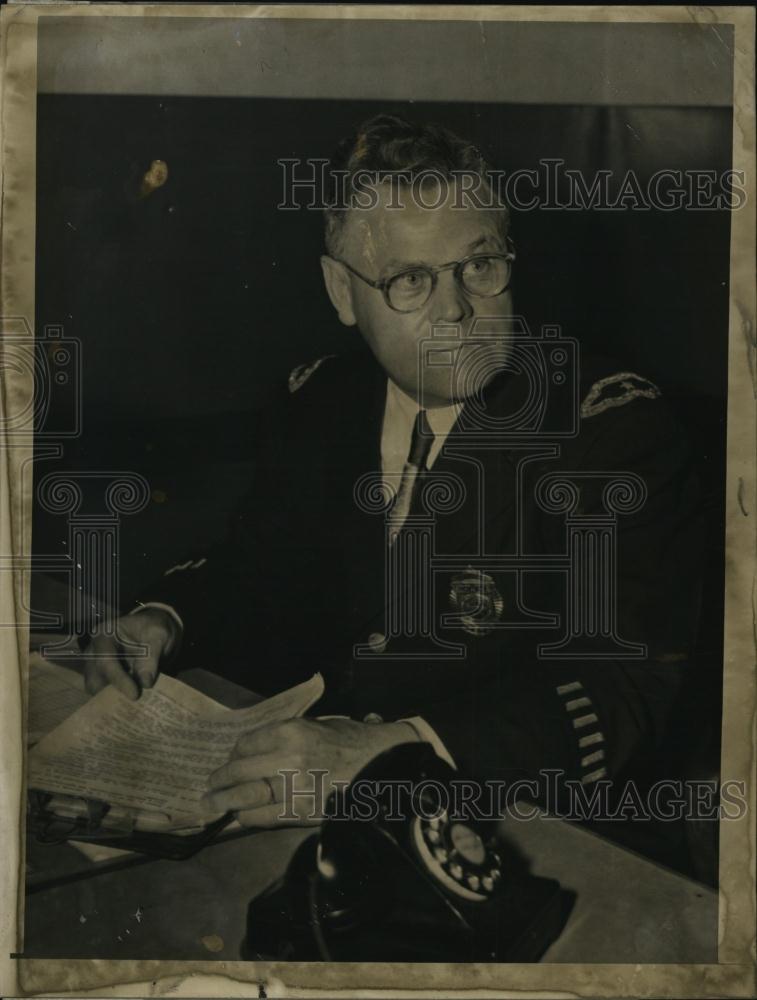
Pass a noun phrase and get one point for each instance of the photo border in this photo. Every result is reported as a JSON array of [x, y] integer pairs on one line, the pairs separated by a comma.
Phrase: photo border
[[734, 974]]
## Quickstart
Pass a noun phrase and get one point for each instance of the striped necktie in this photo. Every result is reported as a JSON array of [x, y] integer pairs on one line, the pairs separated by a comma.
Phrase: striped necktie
[[412, 475]]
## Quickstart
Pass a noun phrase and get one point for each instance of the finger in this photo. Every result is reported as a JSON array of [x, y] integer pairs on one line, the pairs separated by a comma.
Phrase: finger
[[112, 672], [249, 795], [106, 668], [242, 769], [94, 680], [102, 650], [145, 667], [153, 631], [259, 740]]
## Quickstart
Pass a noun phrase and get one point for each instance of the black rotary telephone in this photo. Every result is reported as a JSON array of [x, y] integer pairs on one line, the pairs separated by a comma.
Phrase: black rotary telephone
[[383, 883]]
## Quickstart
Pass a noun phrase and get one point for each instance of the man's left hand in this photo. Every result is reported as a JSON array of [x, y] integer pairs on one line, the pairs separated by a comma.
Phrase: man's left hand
[[252, 785]]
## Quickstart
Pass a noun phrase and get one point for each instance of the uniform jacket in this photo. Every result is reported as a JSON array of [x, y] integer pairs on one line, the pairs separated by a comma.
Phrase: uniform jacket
[[301, 581]]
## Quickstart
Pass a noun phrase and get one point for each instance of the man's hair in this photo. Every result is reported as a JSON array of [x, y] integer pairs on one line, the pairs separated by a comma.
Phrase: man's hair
[[387, 144]]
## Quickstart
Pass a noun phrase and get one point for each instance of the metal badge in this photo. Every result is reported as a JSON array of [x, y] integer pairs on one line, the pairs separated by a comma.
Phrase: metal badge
[[474, 596]]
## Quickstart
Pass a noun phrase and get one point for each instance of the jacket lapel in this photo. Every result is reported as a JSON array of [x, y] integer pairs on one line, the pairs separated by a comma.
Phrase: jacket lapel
[[485, 466], [358, 530]]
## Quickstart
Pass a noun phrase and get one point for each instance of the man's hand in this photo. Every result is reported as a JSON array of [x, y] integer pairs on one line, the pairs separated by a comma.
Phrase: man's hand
[[117, 665], [252, 786]]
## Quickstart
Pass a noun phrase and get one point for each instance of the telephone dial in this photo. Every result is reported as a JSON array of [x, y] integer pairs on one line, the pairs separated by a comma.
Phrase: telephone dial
[[413, 885]]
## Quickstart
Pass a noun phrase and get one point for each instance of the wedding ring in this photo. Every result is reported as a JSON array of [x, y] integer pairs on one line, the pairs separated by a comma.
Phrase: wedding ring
[[270, 789]]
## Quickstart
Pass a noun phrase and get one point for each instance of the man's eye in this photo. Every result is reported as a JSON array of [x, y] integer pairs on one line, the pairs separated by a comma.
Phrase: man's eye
[[478, 266], [409, 281]]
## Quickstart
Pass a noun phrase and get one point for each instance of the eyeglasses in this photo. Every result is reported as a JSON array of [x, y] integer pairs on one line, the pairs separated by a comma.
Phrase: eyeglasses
[[482, 275]]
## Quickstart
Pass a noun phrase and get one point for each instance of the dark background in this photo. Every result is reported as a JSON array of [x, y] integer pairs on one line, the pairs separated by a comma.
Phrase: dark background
[[193, 303]]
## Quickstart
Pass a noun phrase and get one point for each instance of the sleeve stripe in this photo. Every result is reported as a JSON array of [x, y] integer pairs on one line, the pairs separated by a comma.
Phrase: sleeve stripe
[[584, 720], [594, 775], [567, 688], [571, 706], [589, 741], [580, 722]]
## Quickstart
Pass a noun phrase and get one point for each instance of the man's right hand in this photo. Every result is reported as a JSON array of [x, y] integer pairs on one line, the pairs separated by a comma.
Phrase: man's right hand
[[120, 666]]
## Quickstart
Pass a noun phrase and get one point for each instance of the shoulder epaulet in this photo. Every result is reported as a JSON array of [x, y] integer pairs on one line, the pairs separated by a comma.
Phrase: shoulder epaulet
[[299, 375], [617, 390]]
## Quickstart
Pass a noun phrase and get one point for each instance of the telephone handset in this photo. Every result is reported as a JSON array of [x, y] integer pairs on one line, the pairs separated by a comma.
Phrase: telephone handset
[[399, 877]]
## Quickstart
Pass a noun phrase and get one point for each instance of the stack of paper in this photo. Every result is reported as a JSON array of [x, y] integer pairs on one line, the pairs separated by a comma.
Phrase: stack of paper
[[154, 754]]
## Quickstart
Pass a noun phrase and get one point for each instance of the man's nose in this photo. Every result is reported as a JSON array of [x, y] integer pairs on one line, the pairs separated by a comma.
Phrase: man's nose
[[449, 303]]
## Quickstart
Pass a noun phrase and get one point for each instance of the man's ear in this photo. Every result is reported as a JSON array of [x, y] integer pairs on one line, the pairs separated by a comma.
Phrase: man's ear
[[338, 286]]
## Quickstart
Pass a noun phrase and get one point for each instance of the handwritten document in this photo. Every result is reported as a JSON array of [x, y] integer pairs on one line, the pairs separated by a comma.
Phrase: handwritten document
[[155, 753]]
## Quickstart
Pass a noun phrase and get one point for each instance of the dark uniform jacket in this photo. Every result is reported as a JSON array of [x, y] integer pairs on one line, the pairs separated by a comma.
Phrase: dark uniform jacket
[[301, 584]]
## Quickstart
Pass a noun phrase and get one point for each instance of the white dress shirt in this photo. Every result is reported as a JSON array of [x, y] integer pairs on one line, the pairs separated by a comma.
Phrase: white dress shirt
[[400, 412]]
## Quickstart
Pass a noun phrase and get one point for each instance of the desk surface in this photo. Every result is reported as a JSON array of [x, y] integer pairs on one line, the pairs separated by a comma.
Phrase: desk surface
[[628, 910]]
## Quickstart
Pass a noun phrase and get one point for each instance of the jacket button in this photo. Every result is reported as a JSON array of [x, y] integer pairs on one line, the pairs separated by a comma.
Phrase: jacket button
[[377, 642], [372, 717]]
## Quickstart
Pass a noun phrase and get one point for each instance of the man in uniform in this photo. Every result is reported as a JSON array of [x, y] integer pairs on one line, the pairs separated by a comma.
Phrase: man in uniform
[[460, 612]]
